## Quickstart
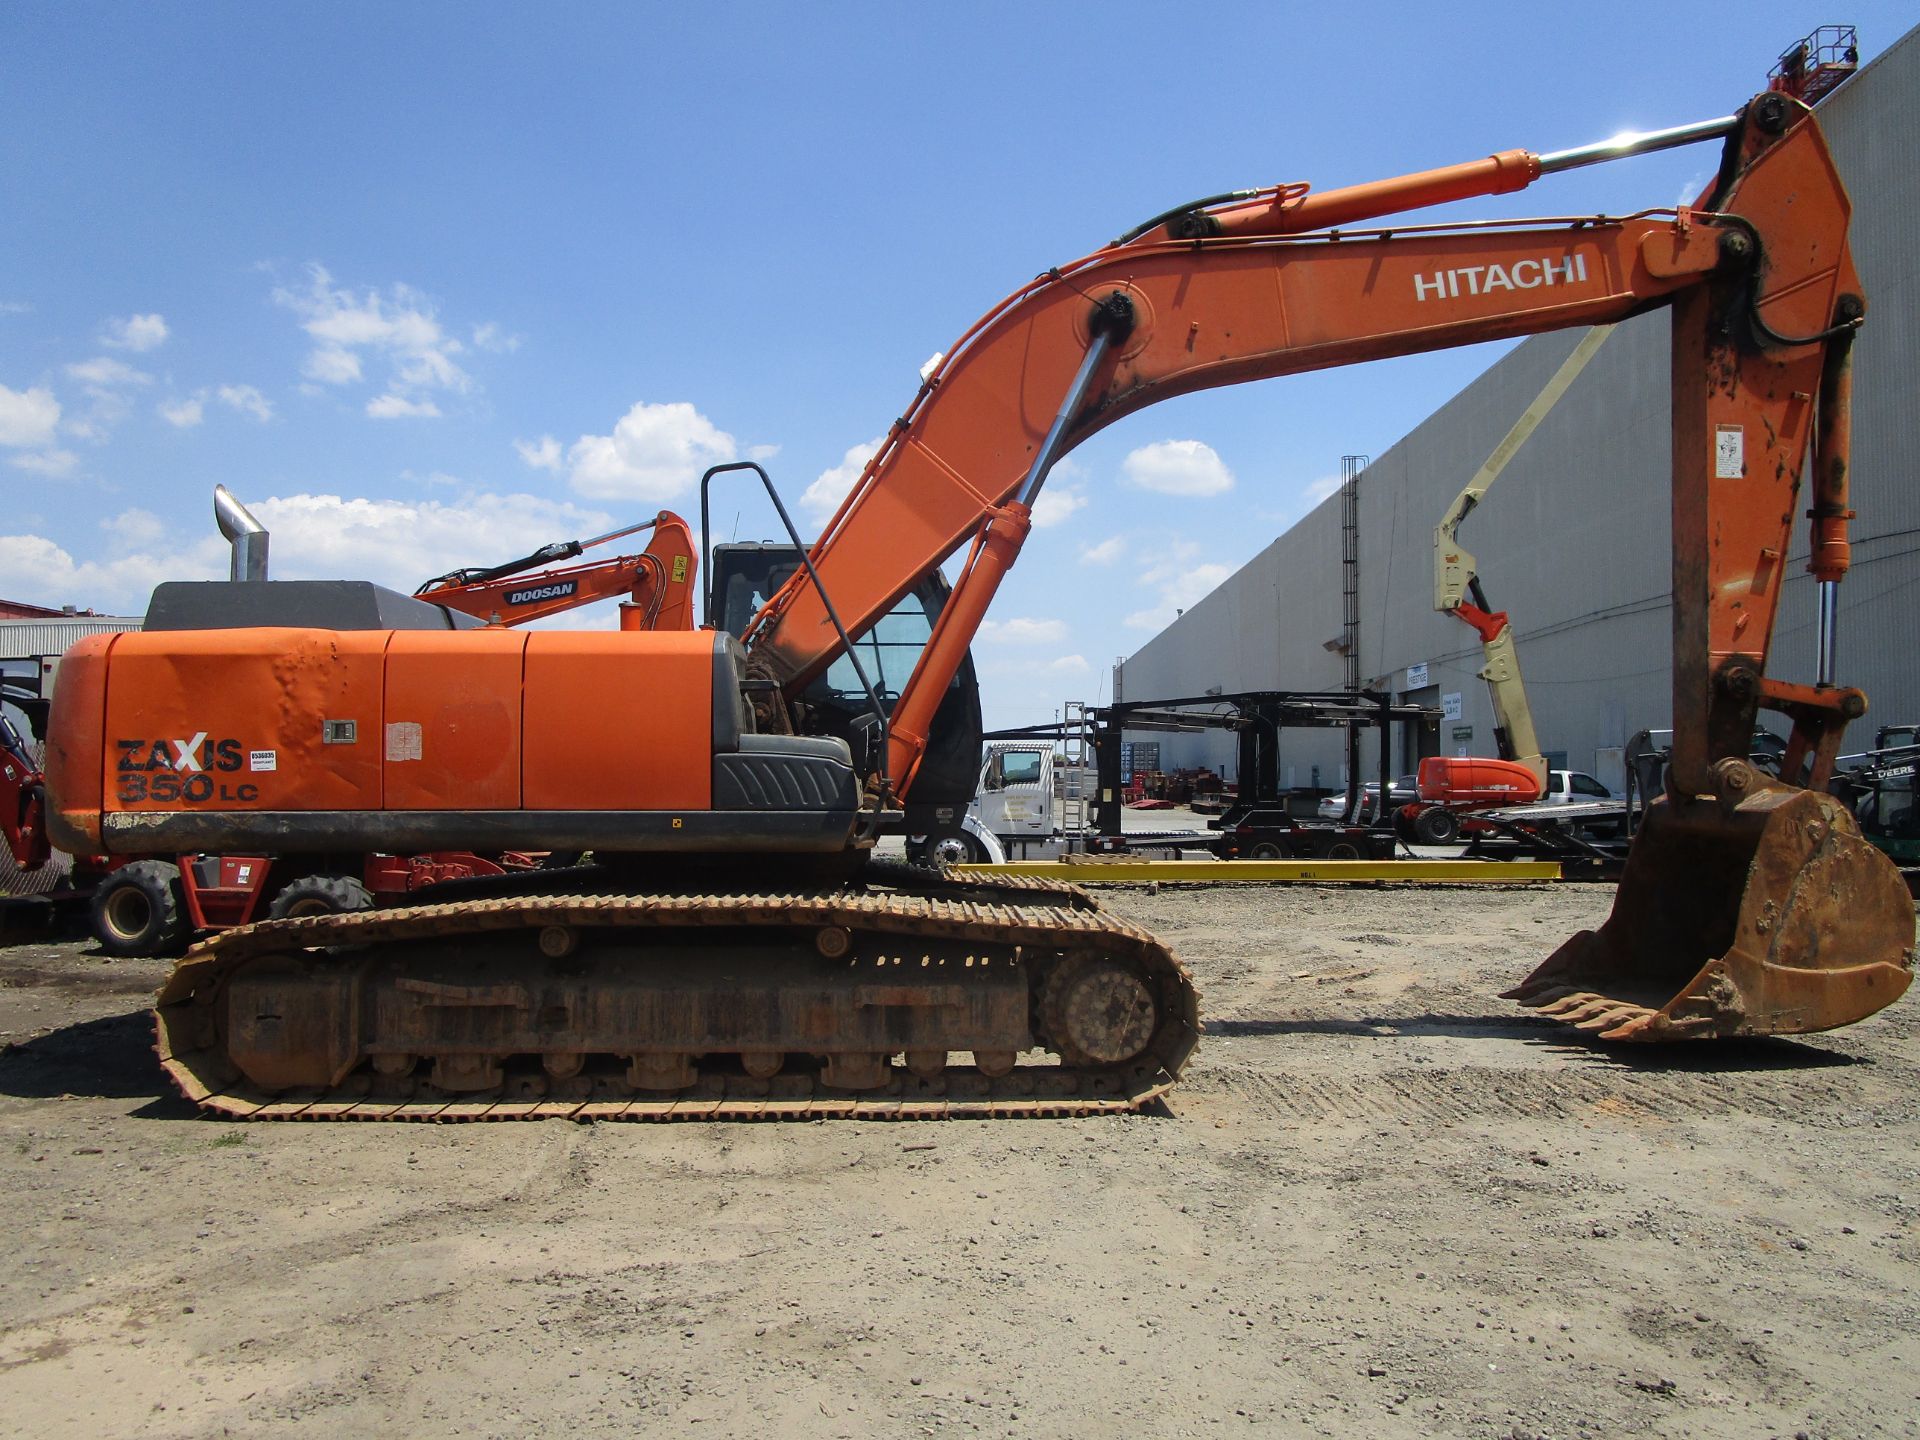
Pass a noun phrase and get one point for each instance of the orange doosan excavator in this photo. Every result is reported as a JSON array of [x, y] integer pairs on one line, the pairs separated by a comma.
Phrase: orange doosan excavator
[[734, 950]]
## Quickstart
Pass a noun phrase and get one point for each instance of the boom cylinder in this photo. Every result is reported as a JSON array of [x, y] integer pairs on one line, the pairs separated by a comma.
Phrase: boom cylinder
[[1831, 554]]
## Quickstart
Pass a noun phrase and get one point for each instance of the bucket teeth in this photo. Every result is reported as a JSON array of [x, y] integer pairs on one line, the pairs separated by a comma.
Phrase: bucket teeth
[[1769, 916], [1572, 1005], [1613, 1022], [1538, 992], [1635, 1026]]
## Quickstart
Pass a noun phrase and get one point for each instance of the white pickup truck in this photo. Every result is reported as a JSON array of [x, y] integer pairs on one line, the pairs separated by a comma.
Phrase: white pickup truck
[[1576, 787]]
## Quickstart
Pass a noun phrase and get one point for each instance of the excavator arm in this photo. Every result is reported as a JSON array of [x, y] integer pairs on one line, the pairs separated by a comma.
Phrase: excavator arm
[[658, 581], [1759, 277]]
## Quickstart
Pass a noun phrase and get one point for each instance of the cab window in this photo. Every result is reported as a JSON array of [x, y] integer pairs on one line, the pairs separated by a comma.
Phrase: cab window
[[888, 651], [1013, 767]]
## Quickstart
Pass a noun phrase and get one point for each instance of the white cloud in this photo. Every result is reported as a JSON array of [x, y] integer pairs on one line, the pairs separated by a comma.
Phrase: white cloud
[[491, 337], [1070, 665], [1178, 467], [1181, 584], [400, 325], [28, 417], [1055, 504], [247, 400], [106, 382], [104, 371], [1315, 491], [133, 529], [1022, 630], [541, 454], [14, 307], [823, 496], [398, 407], [46, 462], [654, 453], [1106, 552], [331, 365], [37, 569], [136, 332], [762, 452], [429, 370], [400, 543], [183, 414], [397, 543]]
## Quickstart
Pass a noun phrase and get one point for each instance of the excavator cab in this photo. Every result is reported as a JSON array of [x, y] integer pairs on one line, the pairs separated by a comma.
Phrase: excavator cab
[[746, 573]]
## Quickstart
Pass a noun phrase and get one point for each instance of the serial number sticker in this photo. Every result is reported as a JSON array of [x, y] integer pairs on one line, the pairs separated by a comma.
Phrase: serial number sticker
[[1729, 452], [263, 760], [403, 740]]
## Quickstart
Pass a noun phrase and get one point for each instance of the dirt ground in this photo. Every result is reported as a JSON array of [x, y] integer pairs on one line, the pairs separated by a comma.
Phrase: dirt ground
[[1381, 1202]]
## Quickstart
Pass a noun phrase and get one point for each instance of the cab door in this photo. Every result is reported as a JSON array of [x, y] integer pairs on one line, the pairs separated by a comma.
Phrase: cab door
[[1016, 793]]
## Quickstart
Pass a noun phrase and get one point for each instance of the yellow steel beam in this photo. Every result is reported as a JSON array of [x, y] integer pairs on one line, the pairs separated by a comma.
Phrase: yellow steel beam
[[1123, 871]]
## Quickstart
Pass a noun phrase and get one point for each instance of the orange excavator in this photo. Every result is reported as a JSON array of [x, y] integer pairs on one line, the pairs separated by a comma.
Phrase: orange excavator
[[737, 950], [657, 581]]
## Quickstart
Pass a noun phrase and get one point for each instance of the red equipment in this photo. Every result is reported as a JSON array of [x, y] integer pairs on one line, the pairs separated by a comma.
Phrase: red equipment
[[658, 581], [1474, 781]]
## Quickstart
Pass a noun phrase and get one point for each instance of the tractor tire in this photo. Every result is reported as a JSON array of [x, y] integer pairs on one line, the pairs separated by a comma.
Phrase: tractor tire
[[320, 895], [139, 910], [1436, 826], [1269, 850]]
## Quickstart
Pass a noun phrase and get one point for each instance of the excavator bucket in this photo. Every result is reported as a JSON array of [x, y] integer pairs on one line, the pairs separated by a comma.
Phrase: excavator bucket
[[1771, 916]]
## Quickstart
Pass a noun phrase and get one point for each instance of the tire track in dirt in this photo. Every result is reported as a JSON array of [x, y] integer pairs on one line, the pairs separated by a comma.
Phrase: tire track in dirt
[[1495, 1093]]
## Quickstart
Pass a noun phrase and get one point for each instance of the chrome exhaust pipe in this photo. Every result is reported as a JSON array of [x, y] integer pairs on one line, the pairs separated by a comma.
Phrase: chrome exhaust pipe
[[246, 534]]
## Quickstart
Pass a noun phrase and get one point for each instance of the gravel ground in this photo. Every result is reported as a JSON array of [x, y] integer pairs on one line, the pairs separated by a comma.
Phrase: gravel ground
[[1381, 1202]]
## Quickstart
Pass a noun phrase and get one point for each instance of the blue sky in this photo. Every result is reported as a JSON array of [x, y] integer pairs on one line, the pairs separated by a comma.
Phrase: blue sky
[[430, 285]]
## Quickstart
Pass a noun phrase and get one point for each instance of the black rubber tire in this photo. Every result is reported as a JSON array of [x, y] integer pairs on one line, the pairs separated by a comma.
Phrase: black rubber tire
[[1343, 850], [956, 847], [951, 846], [1436, 826], [1269, 850], [140, 910], [320, 895]]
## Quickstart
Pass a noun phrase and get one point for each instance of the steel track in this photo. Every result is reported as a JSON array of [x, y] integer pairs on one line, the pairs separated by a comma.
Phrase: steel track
[[917, 903]]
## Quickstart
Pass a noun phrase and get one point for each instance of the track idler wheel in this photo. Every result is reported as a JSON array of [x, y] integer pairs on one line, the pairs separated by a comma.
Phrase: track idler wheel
[[1098, 1011], [1761, 912]]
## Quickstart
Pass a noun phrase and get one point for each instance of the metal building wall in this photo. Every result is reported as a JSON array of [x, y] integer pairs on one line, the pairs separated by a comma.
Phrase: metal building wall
[[1574, 540]]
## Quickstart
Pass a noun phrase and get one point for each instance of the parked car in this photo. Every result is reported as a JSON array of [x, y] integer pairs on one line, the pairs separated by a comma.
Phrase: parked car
[[1576, 787], [1400, 791]]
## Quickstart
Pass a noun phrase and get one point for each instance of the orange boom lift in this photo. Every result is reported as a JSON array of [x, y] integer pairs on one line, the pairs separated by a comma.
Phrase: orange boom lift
[[737, 952]]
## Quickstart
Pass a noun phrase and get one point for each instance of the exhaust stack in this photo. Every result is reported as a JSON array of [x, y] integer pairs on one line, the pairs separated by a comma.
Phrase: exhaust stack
[[247, 535]]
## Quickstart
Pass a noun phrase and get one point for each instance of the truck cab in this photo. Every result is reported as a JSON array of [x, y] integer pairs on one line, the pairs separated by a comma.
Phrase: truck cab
[[1014, 799]]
